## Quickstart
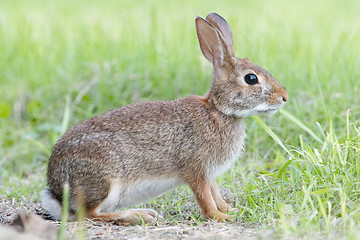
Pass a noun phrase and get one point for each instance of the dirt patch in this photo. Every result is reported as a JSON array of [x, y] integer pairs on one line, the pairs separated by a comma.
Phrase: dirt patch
[[89, 229], [206, 230]]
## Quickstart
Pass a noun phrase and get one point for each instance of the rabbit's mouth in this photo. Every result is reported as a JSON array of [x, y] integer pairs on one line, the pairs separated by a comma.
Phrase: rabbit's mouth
[[269, 111], [267, 108], [263, 108]]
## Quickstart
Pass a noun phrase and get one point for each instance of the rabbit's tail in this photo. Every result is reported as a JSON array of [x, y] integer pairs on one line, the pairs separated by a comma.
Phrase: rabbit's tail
[[51, 204]]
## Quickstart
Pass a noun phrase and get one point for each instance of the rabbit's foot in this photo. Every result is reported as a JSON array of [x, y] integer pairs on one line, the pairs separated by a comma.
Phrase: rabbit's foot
[[210, 200], [224, 207], [221, 217], [128, 217], [139, 216]]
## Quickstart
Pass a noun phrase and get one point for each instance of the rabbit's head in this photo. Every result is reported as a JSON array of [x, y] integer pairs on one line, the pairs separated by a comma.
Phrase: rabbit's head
[[240, 88]]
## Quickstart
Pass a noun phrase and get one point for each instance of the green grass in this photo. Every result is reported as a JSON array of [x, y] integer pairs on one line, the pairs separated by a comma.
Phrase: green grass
[[63, 62]]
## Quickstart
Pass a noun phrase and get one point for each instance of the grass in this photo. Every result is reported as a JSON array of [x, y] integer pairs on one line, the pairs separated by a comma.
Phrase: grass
[[63, 62]]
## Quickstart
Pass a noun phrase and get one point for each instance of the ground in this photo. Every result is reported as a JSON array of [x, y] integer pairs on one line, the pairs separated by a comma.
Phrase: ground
[[99, 230]]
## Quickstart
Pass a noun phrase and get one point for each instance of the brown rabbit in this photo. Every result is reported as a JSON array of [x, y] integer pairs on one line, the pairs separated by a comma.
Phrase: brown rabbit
[[134, 153]]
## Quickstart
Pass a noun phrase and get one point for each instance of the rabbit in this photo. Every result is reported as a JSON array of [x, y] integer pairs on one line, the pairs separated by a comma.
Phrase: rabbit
[[134, 153]]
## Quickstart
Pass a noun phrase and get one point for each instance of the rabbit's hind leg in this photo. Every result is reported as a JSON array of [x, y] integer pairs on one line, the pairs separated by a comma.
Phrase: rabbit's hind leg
[[104, 210], [126, 217]]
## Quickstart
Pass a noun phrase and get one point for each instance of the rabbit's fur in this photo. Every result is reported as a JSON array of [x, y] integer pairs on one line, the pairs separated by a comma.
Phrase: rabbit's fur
[[139, 151]]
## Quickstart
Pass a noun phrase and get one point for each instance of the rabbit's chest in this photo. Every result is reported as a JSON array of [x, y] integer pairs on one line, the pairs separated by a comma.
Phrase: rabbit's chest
[[227, 162], [226, 156]]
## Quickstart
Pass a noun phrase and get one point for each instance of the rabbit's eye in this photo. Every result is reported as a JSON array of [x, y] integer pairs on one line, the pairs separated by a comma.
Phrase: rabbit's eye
[[251, 79]]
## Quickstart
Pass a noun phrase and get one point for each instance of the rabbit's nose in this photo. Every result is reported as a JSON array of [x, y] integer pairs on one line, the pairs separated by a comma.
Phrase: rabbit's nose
[[285, 98], [284, 95]]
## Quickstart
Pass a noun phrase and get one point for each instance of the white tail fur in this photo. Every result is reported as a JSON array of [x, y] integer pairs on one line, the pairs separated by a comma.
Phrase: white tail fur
[[50, 204]]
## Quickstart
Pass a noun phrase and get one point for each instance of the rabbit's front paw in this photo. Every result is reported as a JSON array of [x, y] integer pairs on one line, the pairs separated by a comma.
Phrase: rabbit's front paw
[[224, 207], [221, 217]]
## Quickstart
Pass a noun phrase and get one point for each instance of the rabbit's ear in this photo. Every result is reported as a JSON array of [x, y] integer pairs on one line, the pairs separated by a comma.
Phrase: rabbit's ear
[[224, 28], [211, 41]]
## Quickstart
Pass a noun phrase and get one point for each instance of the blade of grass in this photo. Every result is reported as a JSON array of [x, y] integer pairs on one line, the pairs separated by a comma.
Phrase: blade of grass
[[316, 77], [80, 217], [272, 134], [66, 118], [300, 124], [65, 211], [323, 212], [348, 124], [283, 168]]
